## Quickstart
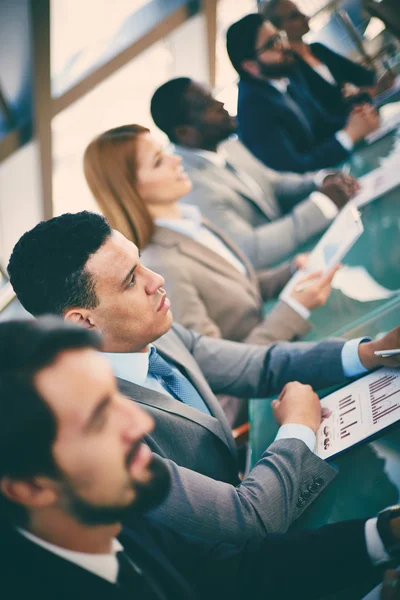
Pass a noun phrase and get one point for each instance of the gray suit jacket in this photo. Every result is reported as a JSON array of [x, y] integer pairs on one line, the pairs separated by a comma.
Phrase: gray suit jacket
[[267, 225], [207, 498], [208, 294]]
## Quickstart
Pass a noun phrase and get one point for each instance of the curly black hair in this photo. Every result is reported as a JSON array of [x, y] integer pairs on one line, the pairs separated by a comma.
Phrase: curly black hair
[[47, 265]]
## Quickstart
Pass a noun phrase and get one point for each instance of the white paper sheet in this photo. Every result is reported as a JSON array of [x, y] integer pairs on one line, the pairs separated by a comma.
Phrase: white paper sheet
[[358, 411], [332, 247], [390, 119], [378, 182], [357, 283]]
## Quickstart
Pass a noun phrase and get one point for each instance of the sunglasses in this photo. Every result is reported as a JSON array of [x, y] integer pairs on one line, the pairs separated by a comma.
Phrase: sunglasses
[[280, 40]]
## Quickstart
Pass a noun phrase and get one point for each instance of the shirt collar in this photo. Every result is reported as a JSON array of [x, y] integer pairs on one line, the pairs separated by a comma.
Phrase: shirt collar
[[280, 84], [190, 221], [131, 366], [103, 565], [218, 158]]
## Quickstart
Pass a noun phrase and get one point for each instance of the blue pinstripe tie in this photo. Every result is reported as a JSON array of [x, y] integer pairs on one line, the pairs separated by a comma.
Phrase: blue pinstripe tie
[[175, 382]]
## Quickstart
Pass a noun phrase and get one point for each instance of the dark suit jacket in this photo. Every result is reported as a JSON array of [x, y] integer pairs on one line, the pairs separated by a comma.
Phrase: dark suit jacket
[[343, 70], [288, 133], [207, 498], [305, 565]]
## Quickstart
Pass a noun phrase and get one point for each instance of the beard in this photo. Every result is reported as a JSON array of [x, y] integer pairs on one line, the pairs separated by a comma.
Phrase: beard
[[147, 496], [278, 70]]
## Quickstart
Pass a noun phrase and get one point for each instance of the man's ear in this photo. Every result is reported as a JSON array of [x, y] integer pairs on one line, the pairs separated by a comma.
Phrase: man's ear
[[36, 492], [80, 316], [251, 67], [186, 135]]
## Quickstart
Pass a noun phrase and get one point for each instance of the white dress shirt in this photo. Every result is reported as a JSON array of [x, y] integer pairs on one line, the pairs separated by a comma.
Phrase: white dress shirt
[[106, 565], [325, 73], [102, 565], [191, 224], [341, 136]]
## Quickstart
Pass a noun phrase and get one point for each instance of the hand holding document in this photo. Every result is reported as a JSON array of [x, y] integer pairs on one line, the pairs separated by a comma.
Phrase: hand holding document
[[330, 250], [359, 411]]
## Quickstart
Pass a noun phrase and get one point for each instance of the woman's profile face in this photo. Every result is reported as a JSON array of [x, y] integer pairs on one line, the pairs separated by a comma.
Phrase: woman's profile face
[[160, 177]]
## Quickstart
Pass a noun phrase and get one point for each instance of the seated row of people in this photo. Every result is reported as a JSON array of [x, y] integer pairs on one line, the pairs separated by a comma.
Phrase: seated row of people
[[74, 468], [73, 465], [76, 266], [281, 118]]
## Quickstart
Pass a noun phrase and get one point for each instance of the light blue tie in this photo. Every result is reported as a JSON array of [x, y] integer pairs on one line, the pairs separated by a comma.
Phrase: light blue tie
[[175, 382]]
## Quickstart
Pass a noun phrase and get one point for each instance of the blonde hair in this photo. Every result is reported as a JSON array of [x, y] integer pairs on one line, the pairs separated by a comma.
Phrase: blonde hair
[[110, 167]]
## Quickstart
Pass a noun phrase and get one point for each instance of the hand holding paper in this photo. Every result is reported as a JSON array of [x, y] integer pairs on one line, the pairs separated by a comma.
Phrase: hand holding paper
[[359, 411], [313, 291], [298, 404]]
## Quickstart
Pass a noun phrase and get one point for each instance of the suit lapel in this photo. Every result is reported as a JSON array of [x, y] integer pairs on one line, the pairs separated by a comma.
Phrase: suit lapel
[[212, 260], [168, 404], [223, 176], [172, 348]]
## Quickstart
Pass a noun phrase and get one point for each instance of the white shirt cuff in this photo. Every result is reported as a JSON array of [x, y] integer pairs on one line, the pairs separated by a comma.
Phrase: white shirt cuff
[[296, 306], [325, 205], [375, 547], [344, 140], [298, 432], [320, 176], [351, 363]]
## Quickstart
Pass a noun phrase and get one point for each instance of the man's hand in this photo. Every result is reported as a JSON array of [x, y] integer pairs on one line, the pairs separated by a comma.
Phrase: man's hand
[[391, 585], [389, 342], [318, 292], [339, 188], [351, 183], [297, 404], [363, 119]]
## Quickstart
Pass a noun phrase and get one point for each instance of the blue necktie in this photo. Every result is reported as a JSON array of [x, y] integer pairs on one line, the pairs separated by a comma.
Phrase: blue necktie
[[175, 382]]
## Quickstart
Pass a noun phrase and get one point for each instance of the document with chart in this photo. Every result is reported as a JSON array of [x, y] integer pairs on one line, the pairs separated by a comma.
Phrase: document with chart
[[331, 248], [359, 411]]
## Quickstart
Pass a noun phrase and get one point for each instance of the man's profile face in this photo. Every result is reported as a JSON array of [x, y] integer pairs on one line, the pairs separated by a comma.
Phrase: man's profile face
[[106, 469], [133, 308], [292, 20], [208, 115], [273, 56]]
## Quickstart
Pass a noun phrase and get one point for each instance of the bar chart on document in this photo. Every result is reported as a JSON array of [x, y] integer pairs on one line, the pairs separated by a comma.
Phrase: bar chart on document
[[359, 411]]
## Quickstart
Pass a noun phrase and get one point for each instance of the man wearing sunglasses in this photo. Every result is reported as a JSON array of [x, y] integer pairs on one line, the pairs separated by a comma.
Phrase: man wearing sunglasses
[[280, 120]]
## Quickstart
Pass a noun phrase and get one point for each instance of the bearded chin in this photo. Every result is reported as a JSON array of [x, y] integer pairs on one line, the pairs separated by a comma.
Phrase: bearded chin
[[147, 496], [277, 71]]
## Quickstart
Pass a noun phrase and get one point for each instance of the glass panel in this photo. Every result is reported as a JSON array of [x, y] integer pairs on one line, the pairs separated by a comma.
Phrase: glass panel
[[85, 35], [228, 12], [122, 98]]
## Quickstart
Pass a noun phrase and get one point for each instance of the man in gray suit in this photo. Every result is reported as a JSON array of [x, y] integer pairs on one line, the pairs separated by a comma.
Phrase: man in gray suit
[[76, 266], [268, 214]]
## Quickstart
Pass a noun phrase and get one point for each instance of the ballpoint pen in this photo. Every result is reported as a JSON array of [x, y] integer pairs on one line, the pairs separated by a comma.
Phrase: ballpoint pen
[[387, 353]]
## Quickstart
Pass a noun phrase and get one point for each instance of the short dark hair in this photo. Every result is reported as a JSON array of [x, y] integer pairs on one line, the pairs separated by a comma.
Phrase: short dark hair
[[168, 107], [269, 14], [47, 265], [28, 427], [241, 40]]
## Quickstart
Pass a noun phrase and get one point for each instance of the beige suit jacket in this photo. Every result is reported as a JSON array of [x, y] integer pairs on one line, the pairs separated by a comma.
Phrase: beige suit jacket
[[208, 294]]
